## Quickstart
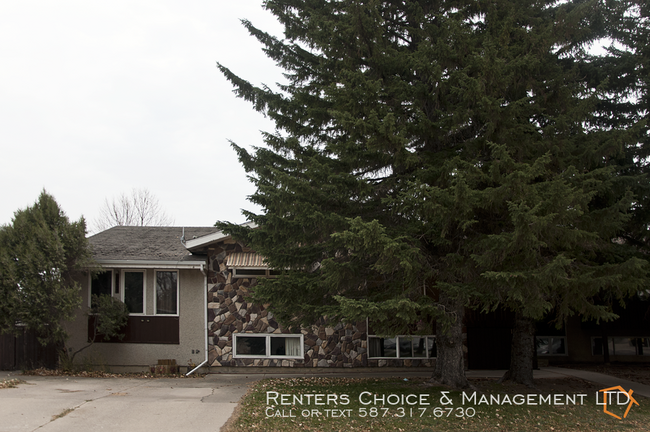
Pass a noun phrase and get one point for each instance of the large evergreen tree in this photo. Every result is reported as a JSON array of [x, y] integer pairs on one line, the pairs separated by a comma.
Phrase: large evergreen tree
[[621, 77], [42, 254], [623, 74], [434, 155]]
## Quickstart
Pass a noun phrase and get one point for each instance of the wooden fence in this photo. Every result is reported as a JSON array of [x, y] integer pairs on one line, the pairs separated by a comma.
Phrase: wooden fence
[[23, 351]]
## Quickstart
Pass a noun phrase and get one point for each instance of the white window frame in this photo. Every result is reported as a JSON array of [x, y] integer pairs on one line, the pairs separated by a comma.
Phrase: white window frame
[[268, 337], [551, 338], [155, 292], [397, 347], [240, 272], [90, 285], [144, 288]]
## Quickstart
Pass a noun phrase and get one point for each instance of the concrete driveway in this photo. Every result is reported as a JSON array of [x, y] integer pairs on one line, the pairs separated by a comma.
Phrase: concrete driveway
[[70, 404], [73, 404]]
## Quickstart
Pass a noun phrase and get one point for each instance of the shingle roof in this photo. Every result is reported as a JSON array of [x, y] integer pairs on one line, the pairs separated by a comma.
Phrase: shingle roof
[[145, 243]]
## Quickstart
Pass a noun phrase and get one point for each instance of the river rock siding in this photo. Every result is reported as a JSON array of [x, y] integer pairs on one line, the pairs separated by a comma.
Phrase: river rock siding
[[229, 312]]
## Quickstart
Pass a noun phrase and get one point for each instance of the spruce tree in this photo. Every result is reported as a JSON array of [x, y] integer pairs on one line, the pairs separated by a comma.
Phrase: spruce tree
[[623, 74], [431, 156], [42, 255], [621, 78]]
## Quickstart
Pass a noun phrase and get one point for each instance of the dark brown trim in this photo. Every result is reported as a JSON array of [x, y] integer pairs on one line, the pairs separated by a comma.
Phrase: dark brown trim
[[145, 330]]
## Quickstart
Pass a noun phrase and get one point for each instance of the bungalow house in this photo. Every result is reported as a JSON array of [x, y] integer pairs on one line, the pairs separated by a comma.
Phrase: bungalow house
[[164, 287], [186, 291]]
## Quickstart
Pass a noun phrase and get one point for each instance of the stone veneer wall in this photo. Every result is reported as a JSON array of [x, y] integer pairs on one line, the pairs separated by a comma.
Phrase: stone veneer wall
[[229, 312]]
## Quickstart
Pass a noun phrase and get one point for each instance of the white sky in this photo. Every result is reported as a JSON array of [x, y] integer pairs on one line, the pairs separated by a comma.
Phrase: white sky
[[98, 98]]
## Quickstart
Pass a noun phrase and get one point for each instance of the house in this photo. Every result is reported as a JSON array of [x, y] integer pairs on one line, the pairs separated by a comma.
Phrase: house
[[164, 287], [186, 289], [243, 334]]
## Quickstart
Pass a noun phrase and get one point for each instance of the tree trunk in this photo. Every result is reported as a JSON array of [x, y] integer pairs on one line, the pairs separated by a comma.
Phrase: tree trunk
[[450, 366], [521, 357]]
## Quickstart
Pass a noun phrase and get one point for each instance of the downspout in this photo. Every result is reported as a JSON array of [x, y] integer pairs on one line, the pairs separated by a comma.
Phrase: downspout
[[205, 315]]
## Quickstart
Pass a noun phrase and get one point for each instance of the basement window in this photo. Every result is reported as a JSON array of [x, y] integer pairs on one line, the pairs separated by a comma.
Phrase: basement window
[[550, 345], [253, 273], [403, 347], [268, 346], [622, 345]]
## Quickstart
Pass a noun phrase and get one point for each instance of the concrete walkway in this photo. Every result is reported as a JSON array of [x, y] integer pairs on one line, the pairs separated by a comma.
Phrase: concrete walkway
[[541, 373], [605, 380]]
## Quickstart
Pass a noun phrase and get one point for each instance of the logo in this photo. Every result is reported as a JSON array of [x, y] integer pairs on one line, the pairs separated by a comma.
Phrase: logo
[[619, 393]]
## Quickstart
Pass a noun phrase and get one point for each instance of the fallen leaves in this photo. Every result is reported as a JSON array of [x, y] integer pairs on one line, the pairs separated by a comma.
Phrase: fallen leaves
[[100, 374], [11, 383]]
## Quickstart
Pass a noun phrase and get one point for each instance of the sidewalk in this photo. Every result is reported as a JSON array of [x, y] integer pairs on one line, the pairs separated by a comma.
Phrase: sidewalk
[[541, 373], [605, 380]]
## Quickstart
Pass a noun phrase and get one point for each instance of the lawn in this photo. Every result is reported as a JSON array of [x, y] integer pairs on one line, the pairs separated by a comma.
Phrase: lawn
[[398, 404]]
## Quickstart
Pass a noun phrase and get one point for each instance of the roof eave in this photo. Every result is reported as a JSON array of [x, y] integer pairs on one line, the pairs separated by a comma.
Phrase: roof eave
[[156, 264], [203, 241]]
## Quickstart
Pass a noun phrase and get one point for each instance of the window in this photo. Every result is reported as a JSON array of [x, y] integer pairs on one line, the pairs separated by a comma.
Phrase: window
[[101, 283], [622, 346], [248, 265], [268, 345], [166, 293], [133, 291], [252, 273], [413, 347], [550, 345]]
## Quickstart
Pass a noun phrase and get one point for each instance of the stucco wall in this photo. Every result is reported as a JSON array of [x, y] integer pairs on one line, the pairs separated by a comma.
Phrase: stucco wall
[[229, 312], [140, 356]]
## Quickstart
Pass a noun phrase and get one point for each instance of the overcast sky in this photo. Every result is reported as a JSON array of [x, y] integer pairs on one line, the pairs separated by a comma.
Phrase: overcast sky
[[98, 98]]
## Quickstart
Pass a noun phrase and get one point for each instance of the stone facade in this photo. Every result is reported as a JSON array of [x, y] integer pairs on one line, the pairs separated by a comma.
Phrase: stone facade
[[229, 312]]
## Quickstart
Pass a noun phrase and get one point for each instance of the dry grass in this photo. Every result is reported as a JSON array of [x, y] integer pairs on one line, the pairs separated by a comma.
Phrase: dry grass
[[255, 414]]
